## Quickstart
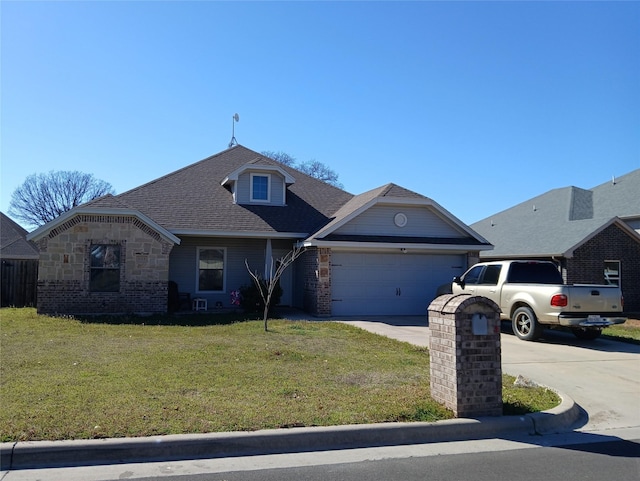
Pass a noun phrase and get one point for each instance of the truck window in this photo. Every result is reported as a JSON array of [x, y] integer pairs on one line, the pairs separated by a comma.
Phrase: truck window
[[473, 275], [490, 275], [534, 273]]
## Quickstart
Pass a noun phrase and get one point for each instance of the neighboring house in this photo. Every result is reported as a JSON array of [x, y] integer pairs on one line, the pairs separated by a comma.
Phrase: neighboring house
[[19, 271], [382, 252], [594, 235]]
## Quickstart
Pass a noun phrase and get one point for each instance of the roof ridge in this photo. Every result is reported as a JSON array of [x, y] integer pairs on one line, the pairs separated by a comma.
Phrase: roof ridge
[[387, 188]]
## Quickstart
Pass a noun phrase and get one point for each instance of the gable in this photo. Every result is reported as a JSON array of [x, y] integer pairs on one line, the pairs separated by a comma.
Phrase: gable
[[101, 215], [398, 220], [391, 216]]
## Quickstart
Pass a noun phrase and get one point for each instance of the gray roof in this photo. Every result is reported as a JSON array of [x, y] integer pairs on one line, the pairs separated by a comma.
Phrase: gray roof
[[555, 223], [620, 197], [193, 199], [13, 242]]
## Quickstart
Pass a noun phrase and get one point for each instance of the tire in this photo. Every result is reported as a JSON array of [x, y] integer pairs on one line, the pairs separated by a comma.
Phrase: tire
[[525, 324], [586, 334]]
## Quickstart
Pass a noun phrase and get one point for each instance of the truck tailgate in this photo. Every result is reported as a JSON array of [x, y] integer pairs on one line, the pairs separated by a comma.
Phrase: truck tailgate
[[595, 299]]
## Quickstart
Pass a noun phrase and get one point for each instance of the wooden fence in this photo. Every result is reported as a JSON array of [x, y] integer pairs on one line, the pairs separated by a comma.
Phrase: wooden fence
[[18, 282]]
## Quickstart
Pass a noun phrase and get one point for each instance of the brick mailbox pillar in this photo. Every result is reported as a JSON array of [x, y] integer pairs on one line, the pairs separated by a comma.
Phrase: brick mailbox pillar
[[464, 348]]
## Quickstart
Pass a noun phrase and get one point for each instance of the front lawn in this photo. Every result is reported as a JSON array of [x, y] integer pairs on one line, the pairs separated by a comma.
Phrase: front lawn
[[63, 378]]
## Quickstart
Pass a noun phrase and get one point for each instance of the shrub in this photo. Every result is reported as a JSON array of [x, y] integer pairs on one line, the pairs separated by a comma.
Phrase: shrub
[[251, 300]]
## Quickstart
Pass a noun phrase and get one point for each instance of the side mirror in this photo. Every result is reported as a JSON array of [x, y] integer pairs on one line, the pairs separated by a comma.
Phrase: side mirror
[[457, 280]]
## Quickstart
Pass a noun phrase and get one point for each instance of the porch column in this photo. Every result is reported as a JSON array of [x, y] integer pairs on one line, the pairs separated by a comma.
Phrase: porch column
[[268, 255]]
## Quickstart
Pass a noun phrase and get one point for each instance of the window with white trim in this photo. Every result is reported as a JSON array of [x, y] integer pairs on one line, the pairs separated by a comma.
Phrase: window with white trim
[[211, 262], [612, 273], [260, 187]]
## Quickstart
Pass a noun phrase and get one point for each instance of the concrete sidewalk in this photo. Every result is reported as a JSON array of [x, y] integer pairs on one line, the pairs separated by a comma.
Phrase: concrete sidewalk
[[41, 454]]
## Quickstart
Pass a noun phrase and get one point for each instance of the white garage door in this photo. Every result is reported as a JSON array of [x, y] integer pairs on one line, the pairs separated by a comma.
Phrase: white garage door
[[386, 284]]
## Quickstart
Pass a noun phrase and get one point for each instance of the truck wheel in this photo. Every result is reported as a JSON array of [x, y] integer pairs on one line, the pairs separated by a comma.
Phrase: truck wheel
[[525, 324], [586, 334]]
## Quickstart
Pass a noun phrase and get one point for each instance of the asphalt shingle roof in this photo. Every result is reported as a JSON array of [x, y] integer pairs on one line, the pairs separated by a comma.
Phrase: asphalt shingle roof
[[559, 220], [192, 198], [620, 197], [13, 242]]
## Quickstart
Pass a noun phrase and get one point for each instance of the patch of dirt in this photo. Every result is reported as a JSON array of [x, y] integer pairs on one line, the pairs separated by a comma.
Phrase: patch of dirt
[[632, 323]]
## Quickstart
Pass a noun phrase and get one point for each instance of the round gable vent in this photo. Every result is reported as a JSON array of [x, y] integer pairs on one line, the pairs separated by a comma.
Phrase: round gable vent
[[400, 219]]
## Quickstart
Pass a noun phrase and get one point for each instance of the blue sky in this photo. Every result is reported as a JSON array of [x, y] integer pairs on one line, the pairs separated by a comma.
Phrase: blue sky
[[478, 105]]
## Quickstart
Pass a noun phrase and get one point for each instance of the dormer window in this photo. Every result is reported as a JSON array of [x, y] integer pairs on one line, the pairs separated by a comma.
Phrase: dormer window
[[258, 183], [260, 188]]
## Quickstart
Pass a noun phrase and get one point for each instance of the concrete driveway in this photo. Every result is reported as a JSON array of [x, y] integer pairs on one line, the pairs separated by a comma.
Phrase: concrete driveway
[[602, 376]]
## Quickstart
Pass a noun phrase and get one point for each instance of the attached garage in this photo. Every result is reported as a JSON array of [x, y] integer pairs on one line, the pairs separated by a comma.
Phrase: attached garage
[[386, 252], [384, 283]]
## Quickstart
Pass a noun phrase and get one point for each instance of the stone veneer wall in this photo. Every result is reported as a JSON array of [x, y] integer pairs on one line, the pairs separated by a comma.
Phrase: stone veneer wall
[[64, 270], [317, 281]]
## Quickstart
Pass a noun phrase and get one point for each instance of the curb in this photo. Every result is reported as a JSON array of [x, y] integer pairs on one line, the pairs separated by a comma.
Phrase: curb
[[562, 418], [52, 454]]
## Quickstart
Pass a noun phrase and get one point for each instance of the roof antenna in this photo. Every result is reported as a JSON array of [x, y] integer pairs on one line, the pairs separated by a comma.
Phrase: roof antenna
[[235, 118]]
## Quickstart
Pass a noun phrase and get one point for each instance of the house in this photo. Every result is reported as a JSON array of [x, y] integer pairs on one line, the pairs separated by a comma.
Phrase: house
[[382, 252], [19, 265], [594, 234]]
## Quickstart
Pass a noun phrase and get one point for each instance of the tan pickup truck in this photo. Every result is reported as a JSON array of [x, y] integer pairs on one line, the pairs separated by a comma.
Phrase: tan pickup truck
[[533, 296]]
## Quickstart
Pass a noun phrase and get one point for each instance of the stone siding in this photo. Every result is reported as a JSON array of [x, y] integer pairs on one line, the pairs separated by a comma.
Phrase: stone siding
[[64, 270]]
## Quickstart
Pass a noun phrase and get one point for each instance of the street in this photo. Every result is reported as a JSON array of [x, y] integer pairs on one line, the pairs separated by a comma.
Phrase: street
[[604, 456]]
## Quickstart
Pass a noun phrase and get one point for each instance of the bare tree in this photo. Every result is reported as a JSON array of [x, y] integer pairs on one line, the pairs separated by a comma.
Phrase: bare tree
[[320, 171], [281, 157], [314, 168], [44, 197], [267, 286]]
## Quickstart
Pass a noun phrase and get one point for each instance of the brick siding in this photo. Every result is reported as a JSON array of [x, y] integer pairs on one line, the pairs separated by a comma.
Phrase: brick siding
[[612, 244], [465, 368], [316, 269]]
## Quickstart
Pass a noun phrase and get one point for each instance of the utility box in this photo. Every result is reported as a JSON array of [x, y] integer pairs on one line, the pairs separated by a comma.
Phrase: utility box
[[465, 354]]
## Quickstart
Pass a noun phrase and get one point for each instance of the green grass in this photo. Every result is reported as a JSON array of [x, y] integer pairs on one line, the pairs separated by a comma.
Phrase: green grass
[[65, 378], [518, 400], [628, 332]]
